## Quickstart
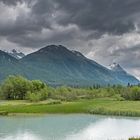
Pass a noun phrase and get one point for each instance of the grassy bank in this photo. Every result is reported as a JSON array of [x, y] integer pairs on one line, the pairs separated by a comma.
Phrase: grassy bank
[[134, 138], [94, 106], [34, 96]]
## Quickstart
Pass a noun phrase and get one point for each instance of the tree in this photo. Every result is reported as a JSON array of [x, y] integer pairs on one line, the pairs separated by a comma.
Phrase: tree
[[15, 87], [38, 85]]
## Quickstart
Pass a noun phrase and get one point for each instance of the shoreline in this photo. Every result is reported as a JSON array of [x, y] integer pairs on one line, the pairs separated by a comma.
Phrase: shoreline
[[55, 114], [38, 115], [91, 107]]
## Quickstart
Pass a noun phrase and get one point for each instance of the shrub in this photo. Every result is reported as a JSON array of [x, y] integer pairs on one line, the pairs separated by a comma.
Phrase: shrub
[[135, 93], [54, 102], [118, 97], [3, 113], [33, 97], [37, 85], [134, 138], [44, 94], [131, 93]]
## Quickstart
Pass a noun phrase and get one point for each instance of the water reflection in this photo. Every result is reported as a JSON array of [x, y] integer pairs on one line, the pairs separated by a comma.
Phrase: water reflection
[[108, 129], [68, 127], [21, 136]]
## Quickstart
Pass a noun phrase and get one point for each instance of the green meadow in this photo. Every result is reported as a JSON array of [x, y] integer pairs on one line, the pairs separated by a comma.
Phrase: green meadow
[[94, 106], [19, 95]]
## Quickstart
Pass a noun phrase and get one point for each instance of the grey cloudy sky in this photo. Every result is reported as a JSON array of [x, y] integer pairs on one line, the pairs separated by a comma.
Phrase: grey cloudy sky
[[104, 30]]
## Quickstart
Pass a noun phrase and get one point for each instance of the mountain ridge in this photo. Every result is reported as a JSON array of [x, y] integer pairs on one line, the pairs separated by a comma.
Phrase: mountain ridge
[[57, 65], [121, 74]]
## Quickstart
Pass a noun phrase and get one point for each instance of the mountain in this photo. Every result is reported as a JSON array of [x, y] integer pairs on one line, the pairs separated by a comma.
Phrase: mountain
[[6, 59], [16, 54], [56, 65], [8, 65], [122, 75], [117, 68]]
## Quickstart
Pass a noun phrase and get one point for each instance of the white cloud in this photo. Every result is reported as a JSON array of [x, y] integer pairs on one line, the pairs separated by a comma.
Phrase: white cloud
[[123, 49]]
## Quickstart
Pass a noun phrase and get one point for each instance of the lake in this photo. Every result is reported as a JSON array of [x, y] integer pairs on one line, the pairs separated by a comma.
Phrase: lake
[[68, 127]]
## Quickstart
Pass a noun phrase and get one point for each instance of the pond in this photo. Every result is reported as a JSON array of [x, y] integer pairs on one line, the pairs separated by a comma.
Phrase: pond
[[68, 127]]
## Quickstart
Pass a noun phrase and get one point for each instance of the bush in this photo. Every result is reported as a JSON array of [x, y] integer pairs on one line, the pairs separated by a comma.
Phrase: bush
[[131, 93], [37, 95], [54, 102], [118, 97], [3, 113], [37, 85], [134, 138], [44, 94], [135, 93], [33, 97]]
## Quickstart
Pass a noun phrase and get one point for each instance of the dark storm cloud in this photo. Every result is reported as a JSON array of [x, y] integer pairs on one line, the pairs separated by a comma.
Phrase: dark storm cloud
[[43, 7], [9, 2], [12, 2], [92, 17], [98, 28], [111, 16]]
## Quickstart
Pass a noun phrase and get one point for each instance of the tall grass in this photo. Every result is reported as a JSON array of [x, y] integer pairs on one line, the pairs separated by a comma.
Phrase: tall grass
[[134, 138], [94, 106]]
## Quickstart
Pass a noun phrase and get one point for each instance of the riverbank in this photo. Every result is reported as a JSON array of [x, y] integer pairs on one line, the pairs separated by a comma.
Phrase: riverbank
[[134, 138], [105, 106]]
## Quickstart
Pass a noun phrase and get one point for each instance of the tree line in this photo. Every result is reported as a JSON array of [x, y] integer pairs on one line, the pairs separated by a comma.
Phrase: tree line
[[20, 88]]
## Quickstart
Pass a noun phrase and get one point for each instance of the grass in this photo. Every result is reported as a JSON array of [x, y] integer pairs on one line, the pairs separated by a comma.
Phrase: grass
[[95, 106], [134, 138]]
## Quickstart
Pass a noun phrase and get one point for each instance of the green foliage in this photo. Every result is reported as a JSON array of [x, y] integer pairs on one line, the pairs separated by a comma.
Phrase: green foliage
[[36, 96], [100, 106], [53, 102], [19, 88], [38, 85], [3, 113], [33, 97], [15, 87], [131, 93], [118, 97], [134, 138]]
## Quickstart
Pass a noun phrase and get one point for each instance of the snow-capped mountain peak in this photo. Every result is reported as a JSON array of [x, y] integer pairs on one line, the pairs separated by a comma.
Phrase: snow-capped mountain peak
[[116, 67], [16, 54]]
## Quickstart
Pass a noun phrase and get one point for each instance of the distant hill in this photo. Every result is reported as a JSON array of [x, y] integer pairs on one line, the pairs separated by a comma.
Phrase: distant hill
[[57, 65]]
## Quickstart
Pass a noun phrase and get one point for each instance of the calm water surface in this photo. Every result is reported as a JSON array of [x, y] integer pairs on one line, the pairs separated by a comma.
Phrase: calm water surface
[[68, 127]]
